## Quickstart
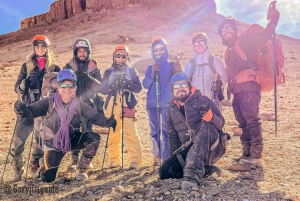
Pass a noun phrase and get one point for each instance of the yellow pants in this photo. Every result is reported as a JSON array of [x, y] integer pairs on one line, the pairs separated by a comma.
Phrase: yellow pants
[[131, 137]]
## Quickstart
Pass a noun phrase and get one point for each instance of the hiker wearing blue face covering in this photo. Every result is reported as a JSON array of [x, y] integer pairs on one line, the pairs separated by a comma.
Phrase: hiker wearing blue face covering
[[61, 126], [158, 82]]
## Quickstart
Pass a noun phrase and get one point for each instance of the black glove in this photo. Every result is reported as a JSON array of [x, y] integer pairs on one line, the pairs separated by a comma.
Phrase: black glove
[[25, 84], [98, 104], [155, 68], [20, 109], [203, 105], [124, 81], [84, 77], [275, 17], [111, 122]]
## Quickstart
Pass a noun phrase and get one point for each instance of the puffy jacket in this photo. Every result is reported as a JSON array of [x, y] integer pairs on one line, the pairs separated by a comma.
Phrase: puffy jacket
[[179, 125], [235, 64], [52, 120], [134, 87], [203, 76], [86, 90], [165, 74], [36, 80]]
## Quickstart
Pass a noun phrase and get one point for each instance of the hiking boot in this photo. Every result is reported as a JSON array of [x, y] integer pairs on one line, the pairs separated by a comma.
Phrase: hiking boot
[[81, 174], [35, 170], [17, 176], [113, 164], [210, 169], [157, 161], [133, 165], [255, 162], [189, 183], [239, 158]]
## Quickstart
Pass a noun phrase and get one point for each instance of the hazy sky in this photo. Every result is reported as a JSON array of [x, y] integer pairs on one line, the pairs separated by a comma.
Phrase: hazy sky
[[254, 11]]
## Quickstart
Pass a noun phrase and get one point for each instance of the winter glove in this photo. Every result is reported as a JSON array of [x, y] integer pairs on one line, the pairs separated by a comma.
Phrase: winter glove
[[111, 122], [25, 84], [124, 81], [20, 109], [204, 110], [178, 67], [84, 77], [155, 68], [275, 17]]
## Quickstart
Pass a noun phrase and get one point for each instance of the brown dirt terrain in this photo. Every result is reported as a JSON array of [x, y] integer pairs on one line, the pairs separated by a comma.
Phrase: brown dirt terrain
[[279, 179]]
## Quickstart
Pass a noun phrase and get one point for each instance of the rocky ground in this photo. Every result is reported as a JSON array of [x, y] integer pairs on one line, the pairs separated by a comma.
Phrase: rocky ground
[[278, 179]]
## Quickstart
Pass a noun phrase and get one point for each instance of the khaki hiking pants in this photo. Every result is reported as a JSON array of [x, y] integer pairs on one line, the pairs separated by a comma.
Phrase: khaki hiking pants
[[131, 137]]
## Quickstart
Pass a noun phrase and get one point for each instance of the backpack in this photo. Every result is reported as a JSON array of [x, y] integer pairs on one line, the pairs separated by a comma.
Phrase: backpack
[[49, 86], [262, 69], [210, 63]]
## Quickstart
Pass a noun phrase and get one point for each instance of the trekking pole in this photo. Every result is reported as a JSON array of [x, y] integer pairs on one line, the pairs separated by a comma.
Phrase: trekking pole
[[112, 111], [12, 138], [215, 89], [158, 113], [122, 106], [21, 98], [33, 133], [271, 9]]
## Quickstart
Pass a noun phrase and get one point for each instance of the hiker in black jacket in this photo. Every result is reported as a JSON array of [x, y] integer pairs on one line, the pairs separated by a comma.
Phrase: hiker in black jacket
[[88, 84], [246, 94], [28, 87], [194, 118]]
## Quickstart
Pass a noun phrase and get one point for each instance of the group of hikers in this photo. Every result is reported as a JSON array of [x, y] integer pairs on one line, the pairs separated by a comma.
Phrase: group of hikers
[[184, 108]]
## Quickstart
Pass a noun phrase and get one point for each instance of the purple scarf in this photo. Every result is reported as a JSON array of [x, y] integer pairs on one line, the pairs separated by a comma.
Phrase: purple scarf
[[62, 138]]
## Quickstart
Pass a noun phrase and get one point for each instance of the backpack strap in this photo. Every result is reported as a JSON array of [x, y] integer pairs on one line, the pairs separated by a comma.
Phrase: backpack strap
[[193, 68], [211, 64], [240, 52]]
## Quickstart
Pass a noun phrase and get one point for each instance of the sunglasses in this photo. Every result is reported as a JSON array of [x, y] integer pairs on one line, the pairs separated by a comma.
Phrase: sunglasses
[[161, 49], [121, 55], [202, 42], [70, 86], [40, 46], [183, 85], [227, 28]]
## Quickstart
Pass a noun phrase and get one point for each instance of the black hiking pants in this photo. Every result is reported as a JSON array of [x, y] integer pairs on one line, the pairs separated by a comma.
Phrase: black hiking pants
[[200, 153], [245, 105], [89, 141], [23, 129]]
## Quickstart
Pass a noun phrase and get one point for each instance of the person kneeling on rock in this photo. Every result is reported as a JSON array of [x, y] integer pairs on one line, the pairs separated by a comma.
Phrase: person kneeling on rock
[[195, 123], [61, 126]]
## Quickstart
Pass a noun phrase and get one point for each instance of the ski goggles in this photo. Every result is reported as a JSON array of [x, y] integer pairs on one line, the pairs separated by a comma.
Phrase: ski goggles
[[37, 46], [123, 56], [64, 86], [230, 27], [161, 49], [81, 43], [183, 85], [202, 42]]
